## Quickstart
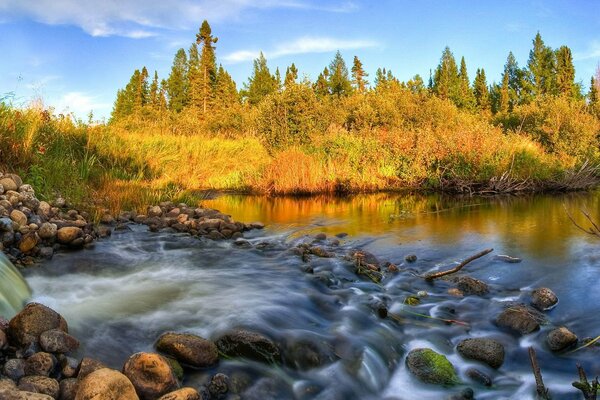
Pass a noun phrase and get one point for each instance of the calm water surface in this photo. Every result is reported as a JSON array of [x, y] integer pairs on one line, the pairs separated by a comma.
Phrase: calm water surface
[[121, 295]]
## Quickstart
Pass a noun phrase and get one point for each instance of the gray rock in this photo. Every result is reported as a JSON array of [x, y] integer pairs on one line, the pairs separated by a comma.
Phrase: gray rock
[[471, 286], [57, 341], [543, 299], [249, 344], [14, 368], [560, 339], [47, 231], [520, 318], [479, 376], [6, 224], [486, 350]]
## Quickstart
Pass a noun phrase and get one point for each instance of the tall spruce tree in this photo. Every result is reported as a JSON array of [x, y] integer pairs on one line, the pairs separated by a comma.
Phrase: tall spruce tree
[[481, 91], [226, 94], [593, 99], [541, 65], [208, 63], [321, 87], [177, 85], [339, 81], [291, 75], [446, 82], [261, 83], [465, 98], [504, 94], [359, 76], [154, 92], [195, 93], [565, 73]]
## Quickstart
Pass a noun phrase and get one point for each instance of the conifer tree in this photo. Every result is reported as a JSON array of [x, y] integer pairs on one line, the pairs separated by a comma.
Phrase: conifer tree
[[481, 92], [416, 84], [141, 91], [226, 94], [339, 81], [208, 63], [177, 85], [154, 92], [359, 75], [380, 78], [162, 98], [542, 67], [195, 93], [321, 86], [291, 74], [445, 80], [261, 83], [504, 98], [593, 99], [278, 79], [465, 98], [565, 72]]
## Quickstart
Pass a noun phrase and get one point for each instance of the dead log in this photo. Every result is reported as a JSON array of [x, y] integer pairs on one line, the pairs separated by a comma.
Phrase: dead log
[[432, 276], [542, 391], [589, 390]]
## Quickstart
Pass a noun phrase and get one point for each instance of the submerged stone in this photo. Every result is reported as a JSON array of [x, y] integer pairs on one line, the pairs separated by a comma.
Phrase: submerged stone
[[431, 367]]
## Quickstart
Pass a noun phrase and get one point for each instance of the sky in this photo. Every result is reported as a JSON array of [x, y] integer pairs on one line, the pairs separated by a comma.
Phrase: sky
[[75, 54]]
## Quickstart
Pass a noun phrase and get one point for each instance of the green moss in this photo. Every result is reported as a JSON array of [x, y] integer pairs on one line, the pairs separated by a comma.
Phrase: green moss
[[431, 367]]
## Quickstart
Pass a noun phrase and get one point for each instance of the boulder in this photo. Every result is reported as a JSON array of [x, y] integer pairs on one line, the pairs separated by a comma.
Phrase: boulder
[[58, 341], [40, 384], [87, 366], [471, 286], [186, 393], [431, 367], [486, 350], [47, 231], [18, 217], [520, 318], [68, 234], [106, 384], [40, 363], [560, 339], [27, 325], [189, 349], [150, 374], [543, 299], [249, 344]]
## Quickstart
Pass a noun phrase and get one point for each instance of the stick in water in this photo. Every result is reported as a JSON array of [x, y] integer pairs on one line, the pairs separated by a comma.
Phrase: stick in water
[[430, 277], [542, 392]]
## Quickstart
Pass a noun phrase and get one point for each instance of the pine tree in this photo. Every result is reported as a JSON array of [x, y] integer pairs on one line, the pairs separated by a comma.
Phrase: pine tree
[[154, 92], [162, 98], [465, 98], [593, 99], [278, 79], [321, 87], [445, 80], [177, 85], [261, 83], [565, 72], [291, 74], [339, 81], [142, 91], [208, 63], [504, 98], [226, 94], [481, 92], [359, 75], [542, 67], [416, 84], [195, 93], [380, 78]]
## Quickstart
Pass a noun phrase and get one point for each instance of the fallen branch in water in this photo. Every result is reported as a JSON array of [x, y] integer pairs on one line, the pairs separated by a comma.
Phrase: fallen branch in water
[[448, 321], [542, 392], [592, 230], [432, 276], [589, 390], [591, 342]]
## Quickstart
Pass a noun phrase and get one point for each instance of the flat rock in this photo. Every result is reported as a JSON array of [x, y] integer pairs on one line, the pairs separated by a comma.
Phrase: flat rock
[[189, 349], [40, 384], [431, 367], [249, 344], [486, 350], [471, 286], [560, 339], [58, 341], [520, 318]]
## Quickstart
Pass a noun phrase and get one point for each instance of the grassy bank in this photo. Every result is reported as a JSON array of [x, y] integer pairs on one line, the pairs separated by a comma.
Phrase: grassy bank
[[428, 144]]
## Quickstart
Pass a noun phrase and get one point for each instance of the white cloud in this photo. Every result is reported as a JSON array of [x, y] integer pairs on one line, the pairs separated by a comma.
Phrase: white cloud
[[593, 51], [142, 18], [80, 104], [303, 45]]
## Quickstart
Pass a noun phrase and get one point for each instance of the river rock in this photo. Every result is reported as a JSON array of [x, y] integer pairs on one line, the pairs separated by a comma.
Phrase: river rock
[[189, 349], [520, 318], [486, 350], [431, 367], [58, 341], [218, 386], [87, 366], [22, 395], [249, 344], [40, 363], [8, 184], [106, 384], [40, 384], [471, 286], [560, 339], [18, 217], [28, 242], [154, 211], [47, 231], [465, 394], [7, 384], [150, 374], [14, 368], [186, 393], [68, 389], [3, 340], [543, 299], [44, 208], [27, 326], [6, 224], [68, 366], [410, 258], [479, 376], [69, 234]]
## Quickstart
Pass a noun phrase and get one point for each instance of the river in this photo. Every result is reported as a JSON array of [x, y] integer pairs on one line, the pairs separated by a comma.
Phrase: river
[[123, 293]]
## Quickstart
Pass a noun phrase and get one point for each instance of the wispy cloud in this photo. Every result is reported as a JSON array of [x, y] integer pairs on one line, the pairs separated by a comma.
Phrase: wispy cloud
[[593, 51], [42, 82], [139, 19], [303, 45], [80, 104]]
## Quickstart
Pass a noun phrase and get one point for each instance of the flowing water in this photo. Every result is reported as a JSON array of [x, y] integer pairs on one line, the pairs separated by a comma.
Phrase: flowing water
[[14, 291], [121, 295]]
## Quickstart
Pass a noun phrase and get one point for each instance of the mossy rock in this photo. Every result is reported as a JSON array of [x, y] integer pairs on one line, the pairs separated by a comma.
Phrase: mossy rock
[[412, 301], [431, 367]]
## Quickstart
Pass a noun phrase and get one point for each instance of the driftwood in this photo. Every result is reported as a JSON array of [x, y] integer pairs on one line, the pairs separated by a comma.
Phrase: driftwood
[[432, 276], [592, 230], [542, 392], [589, 390]]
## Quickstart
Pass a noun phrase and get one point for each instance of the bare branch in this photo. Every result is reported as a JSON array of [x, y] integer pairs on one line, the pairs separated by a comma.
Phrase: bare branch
[[430, 277]]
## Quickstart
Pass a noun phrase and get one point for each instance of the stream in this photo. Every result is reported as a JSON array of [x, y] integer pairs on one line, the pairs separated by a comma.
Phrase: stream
[[127, 290]]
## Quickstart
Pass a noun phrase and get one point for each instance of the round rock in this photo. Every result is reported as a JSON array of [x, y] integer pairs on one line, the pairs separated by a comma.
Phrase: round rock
[[8, 184], [249, 344], [106, 384], [189, 349], [520, 318], [68, 234], [488, 351], [471, 286], [58, 341], [47, 231], [431, 367], [18, 217], [543, 299], [40, 363], [560, 339], [27, 326], [40, 384], [186, 393], [150, 374]]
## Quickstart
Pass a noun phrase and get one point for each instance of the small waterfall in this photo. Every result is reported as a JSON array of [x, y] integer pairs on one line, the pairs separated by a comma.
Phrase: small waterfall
[[14, 291]]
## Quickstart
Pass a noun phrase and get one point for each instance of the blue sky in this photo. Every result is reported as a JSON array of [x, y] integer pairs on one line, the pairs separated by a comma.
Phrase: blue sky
[[75, 54]]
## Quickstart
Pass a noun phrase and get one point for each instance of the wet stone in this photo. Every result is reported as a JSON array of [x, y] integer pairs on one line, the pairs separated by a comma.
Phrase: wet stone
[[560, 339], [488, 351], [543, 299], [479, 377], [520, 318]]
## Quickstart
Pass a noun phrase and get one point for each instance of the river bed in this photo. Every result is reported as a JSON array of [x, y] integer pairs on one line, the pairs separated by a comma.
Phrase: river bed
[[123, 293]]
